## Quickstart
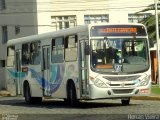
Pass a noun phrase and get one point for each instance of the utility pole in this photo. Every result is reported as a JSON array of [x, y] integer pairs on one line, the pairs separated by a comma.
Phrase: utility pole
[[157, 38]]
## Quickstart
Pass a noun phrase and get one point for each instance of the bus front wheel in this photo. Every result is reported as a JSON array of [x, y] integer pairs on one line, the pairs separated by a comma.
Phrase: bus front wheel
[[125, 101]]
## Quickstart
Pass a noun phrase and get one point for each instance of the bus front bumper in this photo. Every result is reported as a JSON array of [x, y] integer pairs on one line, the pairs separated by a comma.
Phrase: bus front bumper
[[119, 92]]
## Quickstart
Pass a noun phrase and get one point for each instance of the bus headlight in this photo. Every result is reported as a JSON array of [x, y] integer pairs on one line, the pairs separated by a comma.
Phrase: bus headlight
[[99, 83], [145, 81]]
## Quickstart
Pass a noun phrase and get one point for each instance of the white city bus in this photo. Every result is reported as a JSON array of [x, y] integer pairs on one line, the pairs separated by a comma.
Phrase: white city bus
[[81, 63]]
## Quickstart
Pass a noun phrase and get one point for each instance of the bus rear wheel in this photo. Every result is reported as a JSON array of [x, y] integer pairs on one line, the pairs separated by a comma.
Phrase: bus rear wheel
[[27, 93], [28, 98], [71, 95]]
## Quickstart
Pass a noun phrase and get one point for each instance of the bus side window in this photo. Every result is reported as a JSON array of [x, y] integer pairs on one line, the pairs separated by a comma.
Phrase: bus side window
[[25, 54], [71, 48], [35, 56], [58, 50]]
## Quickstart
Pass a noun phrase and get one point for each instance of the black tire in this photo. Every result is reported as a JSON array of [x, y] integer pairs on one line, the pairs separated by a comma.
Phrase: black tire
[[28, 98], [125, 101], [71, 95], [37, 100], [27, 94]]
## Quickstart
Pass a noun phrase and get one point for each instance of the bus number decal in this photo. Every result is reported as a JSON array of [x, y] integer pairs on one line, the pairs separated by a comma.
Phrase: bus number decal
[[118, 68]]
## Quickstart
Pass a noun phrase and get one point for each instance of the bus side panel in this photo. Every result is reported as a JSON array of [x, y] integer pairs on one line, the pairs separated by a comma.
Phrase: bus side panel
[[11, 76], [35, 80], [10, 81], [60, 74], [36, 90], [3, 78]]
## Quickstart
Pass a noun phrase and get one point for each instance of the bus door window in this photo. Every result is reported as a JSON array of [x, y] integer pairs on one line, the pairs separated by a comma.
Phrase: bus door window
[[18, 61], [84, 67], [46, 58], [46, 69], [18, 71]]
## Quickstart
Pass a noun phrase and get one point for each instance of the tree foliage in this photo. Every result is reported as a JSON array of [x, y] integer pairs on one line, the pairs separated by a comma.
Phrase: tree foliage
[[150, 22]]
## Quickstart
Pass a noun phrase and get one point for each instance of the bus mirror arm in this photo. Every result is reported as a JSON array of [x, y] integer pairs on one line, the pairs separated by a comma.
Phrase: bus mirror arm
[[87, 50]]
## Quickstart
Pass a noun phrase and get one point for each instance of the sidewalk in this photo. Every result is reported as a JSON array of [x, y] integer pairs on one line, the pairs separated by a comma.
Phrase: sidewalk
[[4, 93], [151, 97]]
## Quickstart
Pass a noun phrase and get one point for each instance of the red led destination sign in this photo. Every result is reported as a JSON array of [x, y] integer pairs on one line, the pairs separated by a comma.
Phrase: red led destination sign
[[118, 30]]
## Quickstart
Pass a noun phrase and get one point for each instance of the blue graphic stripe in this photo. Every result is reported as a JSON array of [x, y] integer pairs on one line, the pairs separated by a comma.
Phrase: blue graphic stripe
[[54, 82]]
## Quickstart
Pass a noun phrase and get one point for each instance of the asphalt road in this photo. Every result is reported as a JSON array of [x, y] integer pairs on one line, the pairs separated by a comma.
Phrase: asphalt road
[[14, 108]]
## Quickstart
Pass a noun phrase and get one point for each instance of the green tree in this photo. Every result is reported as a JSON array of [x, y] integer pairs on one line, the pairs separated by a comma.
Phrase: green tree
[[150, 23], [151, 26]]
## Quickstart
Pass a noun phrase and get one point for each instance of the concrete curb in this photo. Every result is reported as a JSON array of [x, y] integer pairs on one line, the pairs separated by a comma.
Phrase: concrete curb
[[146, 97], [5, 93]]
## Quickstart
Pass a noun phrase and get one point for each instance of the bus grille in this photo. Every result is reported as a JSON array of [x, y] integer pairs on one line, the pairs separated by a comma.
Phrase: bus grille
[[125, 84], [122, 91], [121, 78]]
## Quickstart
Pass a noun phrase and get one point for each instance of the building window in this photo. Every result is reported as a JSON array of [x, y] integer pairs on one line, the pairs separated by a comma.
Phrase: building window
[[63, 22], [17, 29], [2, 4], [4, 34], [96, 18], [135, 18], [10, 56]]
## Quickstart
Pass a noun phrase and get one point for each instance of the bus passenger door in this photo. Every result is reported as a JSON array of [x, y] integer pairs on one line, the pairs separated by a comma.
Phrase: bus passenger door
[[46, 70], [83, 68], [18, 71]]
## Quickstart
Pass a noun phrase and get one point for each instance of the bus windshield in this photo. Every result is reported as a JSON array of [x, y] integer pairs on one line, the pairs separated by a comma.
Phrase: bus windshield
[[119, 55]]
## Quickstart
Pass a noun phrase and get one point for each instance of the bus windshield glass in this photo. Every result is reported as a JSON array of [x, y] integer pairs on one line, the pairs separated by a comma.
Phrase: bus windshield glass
[[119, 55]]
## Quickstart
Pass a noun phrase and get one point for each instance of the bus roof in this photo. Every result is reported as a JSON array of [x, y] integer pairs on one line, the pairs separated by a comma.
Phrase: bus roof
[[41, 36], [67, 31]]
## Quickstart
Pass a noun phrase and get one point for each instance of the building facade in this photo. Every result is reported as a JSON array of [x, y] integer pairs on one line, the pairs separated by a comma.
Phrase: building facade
[[19, 18], [23, 18]]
